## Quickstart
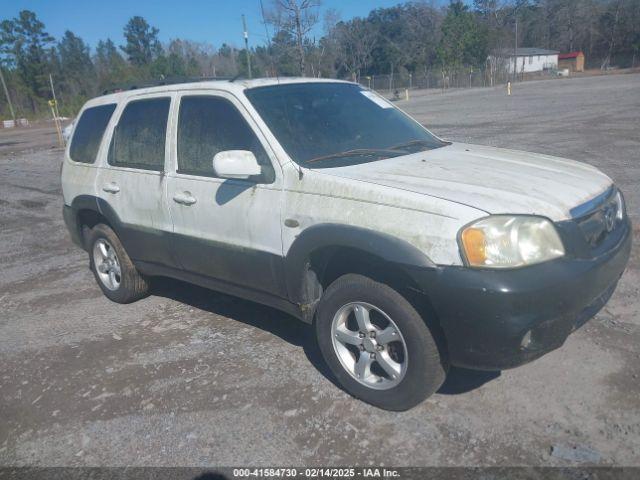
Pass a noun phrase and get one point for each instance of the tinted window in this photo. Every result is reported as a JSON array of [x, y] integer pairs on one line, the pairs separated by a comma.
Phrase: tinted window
[[322, 124], [138, 139], [208, 125], [88, 133]]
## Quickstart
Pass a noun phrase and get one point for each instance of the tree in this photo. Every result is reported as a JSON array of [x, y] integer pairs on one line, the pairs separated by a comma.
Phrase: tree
[[464, 41], [243, 66], [283, 51], [391, 48], [264, 60], [142, 45], [632, 31], [183, 57], [226, 60], [355, 41], [325, 56], [110, 67], [75, 66], [423, 35], [176, 63], [396, 39], [295, 18], [8, 52], [401, 39], [24, 43]]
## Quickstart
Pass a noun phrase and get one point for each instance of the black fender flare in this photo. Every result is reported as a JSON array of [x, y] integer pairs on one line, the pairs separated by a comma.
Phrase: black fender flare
[[98, 205], [383, 245]]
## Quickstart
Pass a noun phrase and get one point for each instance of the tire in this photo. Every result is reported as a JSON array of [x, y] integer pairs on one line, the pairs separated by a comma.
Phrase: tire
[[128, 285], [418, 369]]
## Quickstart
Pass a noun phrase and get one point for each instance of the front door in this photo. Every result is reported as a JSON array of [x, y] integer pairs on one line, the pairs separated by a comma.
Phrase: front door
[[227, 230]]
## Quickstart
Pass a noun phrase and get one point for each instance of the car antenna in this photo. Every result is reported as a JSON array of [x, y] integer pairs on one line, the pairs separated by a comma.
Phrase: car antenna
[[266, 30]]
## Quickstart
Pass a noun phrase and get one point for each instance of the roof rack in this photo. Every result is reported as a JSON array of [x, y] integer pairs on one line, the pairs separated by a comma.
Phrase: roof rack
[[158, 83]]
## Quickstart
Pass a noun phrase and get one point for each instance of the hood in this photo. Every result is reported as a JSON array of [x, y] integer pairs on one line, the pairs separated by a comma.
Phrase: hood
[[491, 179]]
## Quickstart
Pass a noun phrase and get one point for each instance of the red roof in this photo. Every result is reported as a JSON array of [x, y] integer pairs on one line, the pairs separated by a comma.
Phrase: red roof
[[564, 56]]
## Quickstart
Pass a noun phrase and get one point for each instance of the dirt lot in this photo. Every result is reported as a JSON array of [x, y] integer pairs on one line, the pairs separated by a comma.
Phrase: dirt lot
[[191, 377]]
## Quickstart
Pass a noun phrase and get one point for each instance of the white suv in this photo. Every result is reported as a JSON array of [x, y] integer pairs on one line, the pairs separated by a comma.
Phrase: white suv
[[320, 198]]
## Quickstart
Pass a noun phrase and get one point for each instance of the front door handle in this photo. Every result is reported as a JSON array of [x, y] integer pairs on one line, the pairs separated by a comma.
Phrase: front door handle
[[111, 188], [184, 198]]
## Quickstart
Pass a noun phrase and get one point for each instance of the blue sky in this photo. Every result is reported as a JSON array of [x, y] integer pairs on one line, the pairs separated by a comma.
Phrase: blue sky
[[213, 21]]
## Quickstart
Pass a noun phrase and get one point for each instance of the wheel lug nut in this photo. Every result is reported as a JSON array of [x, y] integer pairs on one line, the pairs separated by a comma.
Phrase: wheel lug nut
[[360, 334], [372, 356], [372, 334]]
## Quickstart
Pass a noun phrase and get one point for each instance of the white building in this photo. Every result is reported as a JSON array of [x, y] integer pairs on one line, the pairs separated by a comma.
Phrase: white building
[[526, 59]]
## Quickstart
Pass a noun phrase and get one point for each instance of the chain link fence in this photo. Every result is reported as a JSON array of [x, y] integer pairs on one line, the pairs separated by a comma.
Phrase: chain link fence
[[465, 77]]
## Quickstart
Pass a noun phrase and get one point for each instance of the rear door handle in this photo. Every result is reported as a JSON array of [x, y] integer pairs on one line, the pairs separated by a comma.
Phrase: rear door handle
[[111, 188], [184, 198]]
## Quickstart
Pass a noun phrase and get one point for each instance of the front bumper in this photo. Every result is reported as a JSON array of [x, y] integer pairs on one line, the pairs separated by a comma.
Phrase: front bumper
[[485, 314]]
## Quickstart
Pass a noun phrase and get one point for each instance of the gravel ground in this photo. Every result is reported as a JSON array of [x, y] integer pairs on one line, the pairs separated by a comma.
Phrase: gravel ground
[[192, 377]]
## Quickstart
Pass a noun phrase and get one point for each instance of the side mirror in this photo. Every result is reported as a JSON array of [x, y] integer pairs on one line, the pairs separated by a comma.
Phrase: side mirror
[[239, 164]]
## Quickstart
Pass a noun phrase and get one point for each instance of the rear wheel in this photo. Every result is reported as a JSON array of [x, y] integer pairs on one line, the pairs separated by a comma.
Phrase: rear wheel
[[114, 271], [376, 344]]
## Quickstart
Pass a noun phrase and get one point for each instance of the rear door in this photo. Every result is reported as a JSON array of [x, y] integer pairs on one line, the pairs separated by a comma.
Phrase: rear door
[[132, 182], [228, 230]]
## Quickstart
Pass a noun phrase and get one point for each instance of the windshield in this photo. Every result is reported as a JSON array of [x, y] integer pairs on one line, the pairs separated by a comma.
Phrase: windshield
[[323, 125]]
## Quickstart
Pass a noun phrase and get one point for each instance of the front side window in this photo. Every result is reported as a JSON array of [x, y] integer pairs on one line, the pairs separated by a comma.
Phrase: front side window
[[208, 125], [139, 138], [88, 133], [337, 124]]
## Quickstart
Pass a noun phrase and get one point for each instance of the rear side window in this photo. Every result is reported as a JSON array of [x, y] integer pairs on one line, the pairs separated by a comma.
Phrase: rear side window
[[208, 125], [88, 133], [138, 139]]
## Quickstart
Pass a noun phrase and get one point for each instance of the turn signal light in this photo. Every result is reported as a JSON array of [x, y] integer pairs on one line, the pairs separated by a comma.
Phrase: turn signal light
[[475, 245]]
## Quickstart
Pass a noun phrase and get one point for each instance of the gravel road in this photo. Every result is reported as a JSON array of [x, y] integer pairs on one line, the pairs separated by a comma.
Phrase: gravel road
[[192, 377]]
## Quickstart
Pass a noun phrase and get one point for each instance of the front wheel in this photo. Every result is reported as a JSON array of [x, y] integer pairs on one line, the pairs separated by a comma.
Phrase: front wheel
[[376, 344]]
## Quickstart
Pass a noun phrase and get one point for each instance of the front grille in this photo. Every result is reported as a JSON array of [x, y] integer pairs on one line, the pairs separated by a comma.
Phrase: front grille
[[600, 219], [595, 227]]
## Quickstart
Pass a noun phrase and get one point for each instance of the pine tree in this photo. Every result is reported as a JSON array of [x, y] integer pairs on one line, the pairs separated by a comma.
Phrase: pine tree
[[24, 43], [111, 68], [76, 68], [142, 45]]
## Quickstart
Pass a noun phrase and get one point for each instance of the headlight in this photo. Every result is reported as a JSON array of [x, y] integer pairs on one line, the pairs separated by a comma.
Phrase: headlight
[[504, 241]]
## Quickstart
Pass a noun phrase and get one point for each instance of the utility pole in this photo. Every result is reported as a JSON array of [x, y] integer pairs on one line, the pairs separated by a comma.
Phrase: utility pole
[[515, 51], [246, 45], [53, 103], [53, 94], [6, 92]]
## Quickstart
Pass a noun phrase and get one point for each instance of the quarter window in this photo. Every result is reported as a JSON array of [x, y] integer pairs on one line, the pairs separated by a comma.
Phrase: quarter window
[[208, 125], [88, 133], [139, 138]]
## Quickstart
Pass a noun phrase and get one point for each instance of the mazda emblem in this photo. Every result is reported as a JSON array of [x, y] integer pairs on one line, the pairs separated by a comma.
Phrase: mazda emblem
[[610, 217]]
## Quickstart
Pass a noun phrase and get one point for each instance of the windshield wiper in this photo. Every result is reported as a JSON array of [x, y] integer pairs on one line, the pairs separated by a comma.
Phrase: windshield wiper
[[412, 143], [358, 152]]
